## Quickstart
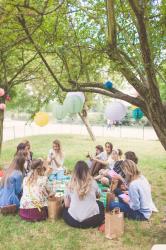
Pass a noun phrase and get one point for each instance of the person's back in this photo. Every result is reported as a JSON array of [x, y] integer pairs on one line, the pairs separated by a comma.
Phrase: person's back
[[34, 193], [81, 209], [33, 204], [140, 194]]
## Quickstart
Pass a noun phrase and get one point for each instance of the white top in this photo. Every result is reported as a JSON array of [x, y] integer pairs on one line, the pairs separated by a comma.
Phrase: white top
[[35, 194], [59, 159], [83, 209]]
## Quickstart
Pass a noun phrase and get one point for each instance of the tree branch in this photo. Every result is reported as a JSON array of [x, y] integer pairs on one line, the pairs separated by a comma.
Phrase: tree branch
[[22, 21], [111, 23], [21, 69]]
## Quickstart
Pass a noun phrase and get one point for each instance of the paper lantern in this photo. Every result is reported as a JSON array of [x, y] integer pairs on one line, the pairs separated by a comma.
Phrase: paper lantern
[[2, 92], [59, 112], [2, 106], [80, 94], [115, 111], [41, 119], [73, 104], [137, 114], [108, 85]]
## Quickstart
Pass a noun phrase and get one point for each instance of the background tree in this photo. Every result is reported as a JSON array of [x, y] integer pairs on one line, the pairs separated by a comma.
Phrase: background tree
[[15, 59]]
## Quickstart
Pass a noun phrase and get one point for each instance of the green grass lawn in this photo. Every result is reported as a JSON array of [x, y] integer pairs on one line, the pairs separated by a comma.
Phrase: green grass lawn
[[16, 234]]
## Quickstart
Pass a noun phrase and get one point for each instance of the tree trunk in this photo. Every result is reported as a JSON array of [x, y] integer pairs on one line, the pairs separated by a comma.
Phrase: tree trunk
[[89, 129], [159, 124], [1, 128], [160, 131], [156, 114]]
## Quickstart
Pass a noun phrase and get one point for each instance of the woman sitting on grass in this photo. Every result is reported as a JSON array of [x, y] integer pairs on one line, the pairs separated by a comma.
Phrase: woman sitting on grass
[[99, 150], [23, 148], [33, 204], [138, 205], [55, 158], [29, 156], [81, 208], [11, 183]]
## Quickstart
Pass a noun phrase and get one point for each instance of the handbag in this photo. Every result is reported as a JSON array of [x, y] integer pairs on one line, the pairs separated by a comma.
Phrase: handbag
[[114, 224], [55, 207], [10, 209]]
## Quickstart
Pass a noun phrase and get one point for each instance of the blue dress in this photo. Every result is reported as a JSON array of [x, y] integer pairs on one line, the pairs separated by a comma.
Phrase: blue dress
[[10, 192]]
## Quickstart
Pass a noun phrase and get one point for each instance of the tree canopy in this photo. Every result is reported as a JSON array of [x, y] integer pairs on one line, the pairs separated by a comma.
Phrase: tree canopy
[[75, 41]]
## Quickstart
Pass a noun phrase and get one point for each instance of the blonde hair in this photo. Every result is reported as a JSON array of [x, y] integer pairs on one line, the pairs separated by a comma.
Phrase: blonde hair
[[37, 169], [81, 180], [130, 170]]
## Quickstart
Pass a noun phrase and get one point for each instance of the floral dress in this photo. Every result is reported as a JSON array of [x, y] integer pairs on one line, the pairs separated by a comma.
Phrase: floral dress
[[34, 201], [34, 193]]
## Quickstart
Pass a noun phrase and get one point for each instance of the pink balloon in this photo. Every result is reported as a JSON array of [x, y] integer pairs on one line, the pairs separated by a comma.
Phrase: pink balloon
[[2, 92], [2, 106]]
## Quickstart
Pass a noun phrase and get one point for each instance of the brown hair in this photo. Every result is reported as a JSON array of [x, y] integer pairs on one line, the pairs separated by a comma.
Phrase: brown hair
[[37, 169], [26, 142], [81, 179], [99, 147], [130, 170], [110, 144], [120, 152], [20, 149], [16, 164], [130, 155]]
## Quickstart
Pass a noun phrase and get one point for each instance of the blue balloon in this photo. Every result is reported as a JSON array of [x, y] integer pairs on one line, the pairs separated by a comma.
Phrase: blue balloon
[[137, 114], [108, 85]]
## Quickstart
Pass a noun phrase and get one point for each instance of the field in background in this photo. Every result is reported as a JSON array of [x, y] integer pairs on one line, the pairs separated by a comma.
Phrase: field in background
[[17, 235]]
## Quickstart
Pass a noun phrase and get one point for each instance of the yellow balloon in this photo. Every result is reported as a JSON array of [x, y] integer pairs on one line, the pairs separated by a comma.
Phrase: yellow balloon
[[41, 119], [133, 107]]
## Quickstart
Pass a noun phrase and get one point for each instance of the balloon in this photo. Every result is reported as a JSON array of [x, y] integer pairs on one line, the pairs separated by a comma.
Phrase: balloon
[[59, 112], [115, 111], [73, 104], [2, 92], [108, 85], [2, 106], [137, 114], [80, 94], [41, 119]]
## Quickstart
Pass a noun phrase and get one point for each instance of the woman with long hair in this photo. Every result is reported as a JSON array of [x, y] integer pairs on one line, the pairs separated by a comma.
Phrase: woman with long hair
[[24, 148], [33, 204], [81, 208], [138, 205], [56, 157], [11, 182]]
